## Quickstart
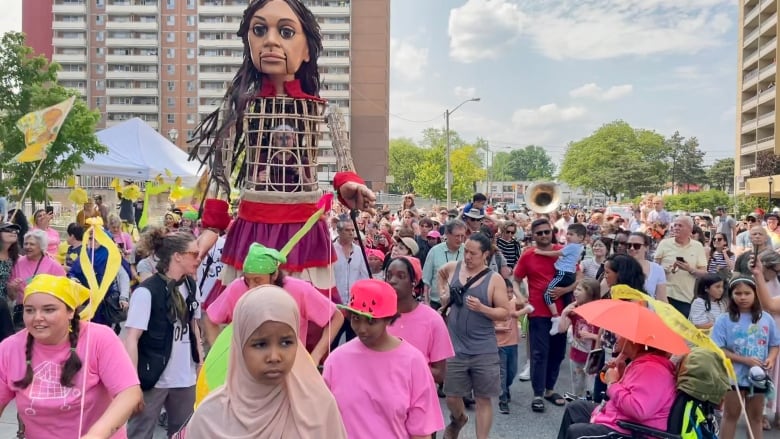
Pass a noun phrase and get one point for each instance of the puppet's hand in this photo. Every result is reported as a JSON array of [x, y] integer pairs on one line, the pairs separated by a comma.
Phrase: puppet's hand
[[357, 196]]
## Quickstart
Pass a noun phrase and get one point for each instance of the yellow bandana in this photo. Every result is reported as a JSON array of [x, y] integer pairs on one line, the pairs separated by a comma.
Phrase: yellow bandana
[[67, 290]]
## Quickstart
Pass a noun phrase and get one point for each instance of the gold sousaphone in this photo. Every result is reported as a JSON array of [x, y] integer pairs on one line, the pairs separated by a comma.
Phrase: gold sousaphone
[[543, 197]]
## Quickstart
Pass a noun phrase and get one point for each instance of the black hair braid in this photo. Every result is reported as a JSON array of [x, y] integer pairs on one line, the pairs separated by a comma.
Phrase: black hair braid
[[28, 374], [73, 364]]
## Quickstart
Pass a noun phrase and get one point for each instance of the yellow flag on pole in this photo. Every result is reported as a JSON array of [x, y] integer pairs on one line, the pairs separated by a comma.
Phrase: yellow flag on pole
[[40, 130]]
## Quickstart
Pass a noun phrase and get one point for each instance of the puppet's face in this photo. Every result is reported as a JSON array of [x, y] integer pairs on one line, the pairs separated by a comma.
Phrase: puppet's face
[[277, 41]]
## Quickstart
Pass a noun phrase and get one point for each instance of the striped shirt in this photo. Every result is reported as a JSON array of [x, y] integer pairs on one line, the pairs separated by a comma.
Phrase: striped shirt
[[510, 249]]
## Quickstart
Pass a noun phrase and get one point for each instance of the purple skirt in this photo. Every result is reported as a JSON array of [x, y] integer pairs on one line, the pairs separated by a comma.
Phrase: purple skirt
[[313, 250]]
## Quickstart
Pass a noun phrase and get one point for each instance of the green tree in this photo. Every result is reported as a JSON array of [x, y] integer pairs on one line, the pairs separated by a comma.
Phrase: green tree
[[721, 174], [404, 156], [466, 162], [616, 159], [28, 83], [499, 167], [687, 161], [530, 163], [697, 201], [766, 164]]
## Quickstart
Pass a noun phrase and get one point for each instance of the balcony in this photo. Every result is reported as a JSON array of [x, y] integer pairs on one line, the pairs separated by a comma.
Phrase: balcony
[[749, 38], [766, 143], [342, 61], [225, 43], [334, 94], [220, 60], [330, 11], [131, 9], [130, 91], [147, 76], [69, 25], [132, 25], [211, 93], [756, 75], [69, 42], [221, 10], [132, 108], [216, 76], [770, 23], [334, 28], [132, 42], [745, 170], [65, 76], [69, 58], [132, 59], [335, 44], [226, 26], [207, 109], [69, 9]]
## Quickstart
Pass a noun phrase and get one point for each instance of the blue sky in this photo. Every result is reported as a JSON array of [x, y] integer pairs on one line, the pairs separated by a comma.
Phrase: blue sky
[[552, 71]]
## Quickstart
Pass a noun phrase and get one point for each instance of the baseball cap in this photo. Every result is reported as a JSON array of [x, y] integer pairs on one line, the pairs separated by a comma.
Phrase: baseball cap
[[410, 244], [433, 234], [372, 252], [9, 227], [372, 298]]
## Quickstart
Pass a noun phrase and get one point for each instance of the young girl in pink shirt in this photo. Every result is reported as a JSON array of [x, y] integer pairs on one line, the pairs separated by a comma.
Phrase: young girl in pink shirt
[[69, 378], [382, 384]]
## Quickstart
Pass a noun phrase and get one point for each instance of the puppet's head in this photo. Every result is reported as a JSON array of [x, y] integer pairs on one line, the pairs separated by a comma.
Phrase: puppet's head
[[281, 41]]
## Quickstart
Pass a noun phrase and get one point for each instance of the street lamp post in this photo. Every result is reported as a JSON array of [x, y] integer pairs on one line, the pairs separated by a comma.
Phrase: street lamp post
[[771, 182], [448, 177], [173, 134]]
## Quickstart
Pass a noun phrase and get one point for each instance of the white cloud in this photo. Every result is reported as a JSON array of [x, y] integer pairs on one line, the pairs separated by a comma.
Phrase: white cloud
[[546, 115], [483, 29], [407, 60], [465, 92], [593, 91], [588, 29]]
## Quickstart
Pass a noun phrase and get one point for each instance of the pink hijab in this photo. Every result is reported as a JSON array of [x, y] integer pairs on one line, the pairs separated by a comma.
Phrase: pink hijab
[[301, 407]]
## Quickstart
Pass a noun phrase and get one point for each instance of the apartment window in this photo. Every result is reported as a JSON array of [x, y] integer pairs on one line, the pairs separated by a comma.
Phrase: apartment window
[[170, 20], [170, 4], [190, 37], [190, 86], [99, 69], [190, 69], [171, 69], [99, 102], [171, 118], [171, 85], [100, 3], [191, 53], [190, 119], [171, 37], [191, 20], [171, 102], [190, 4], [100, 84], [100, 51], [169, 53], [100, 19], [100, 35], [190, 102]]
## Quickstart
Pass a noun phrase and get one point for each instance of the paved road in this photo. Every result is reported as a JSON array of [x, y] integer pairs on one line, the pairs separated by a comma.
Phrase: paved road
[[519, 424]]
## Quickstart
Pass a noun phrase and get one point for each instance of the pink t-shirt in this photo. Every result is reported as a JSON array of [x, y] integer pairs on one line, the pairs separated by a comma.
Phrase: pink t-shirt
[[47, 408], [24, 269], [53, 238], [313, 306], [424, 329], [383, 394], [124, 239]]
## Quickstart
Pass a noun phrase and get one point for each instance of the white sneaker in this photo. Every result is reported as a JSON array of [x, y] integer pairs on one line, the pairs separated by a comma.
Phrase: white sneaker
[[555, 325], [525, 375]]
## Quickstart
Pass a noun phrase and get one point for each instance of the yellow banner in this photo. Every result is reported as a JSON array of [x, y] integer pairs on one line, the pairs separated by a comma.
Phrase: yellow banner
[[40, 130], [113, 265], [676, 321]]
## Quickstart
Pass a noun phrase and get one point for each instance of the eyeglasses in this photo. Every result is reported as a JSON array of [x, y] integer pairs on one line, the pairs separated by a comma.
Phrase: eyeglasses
[[543, 232], [478, 220], [633, 245]]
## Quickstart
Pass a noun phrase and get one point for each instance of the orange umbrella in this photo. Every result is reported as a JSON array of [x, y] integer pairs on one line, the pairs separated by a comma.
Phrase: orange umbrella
[[634, 322]]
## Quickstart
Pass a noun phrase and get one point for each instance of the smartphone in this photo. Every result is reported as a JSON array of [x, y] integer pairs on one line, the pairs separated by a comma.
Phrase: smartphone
[[680, 259], [707, 235], [755, 257]]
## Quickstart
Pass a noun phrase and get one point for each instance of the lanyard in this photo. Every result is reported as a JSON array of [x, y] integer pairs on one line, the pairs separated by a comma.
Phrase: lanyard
[[457, 255]]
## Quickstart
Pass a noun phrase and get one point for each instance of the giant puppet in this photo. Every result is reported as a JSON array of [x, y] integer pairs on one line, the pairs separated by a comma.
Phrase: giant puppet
[[265, 137]]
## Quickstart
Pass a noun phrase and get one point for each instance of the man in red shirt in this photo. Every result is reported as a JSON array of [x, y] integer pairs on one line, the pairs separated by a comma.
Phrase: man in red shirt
[[547, 351]]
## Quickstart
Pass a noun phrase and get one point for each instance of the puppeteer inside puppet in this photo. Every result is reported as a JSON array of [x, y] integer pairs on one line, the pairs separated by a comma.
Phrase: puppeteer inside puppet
[[282, 135]]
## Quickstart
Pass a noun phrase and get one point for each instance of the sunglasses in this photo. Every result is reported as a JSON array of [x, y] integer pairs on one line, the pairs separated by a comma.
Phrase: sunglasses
[[719, 239], [752, 220], [510, 232], [633, 245], [543, 232], [194, 254]]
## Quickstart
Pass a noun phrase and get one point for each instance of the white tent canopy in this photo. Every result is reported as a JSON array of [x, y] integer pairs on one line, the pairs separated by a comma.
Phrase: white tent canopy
[[136, 151]]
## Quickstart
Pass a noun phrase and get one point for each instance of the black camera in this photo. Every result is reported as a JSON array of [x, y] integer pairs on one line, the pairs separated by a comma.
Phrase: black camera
[[456, 296]]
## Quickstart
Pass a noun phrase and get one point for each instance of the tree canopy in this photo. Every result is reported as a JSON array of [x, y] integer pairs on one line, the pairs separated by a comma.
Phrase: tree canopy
[[29, 83]]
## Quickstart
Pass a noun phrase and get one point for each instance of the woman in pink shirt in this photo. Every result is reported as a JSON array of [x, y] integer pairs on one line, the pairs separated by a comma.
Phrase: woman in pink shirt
[[67, 377], [382, 384], [418, 324], [41, 221], [34, 262], [122, 239]]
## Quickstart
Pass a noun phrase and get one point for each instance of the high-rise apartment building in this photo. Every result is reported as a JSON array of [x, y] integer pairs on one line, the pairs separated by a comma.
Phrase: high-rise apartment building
[[169, 63], [756, 96]]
